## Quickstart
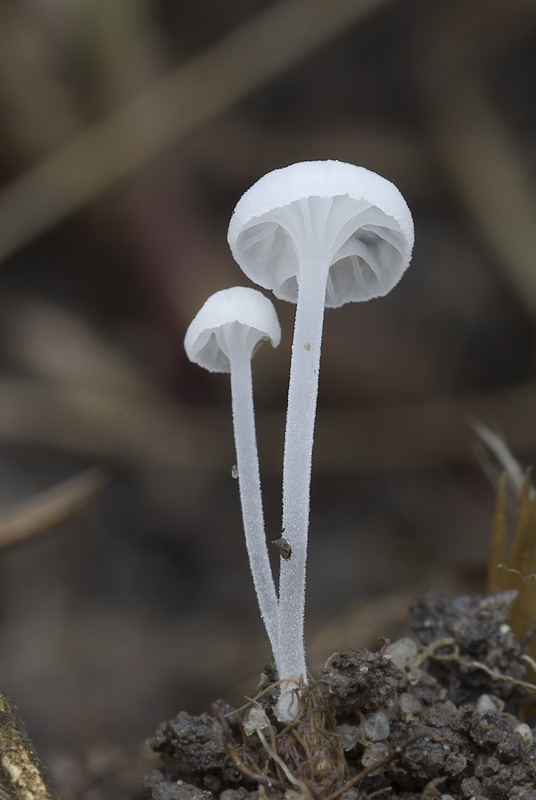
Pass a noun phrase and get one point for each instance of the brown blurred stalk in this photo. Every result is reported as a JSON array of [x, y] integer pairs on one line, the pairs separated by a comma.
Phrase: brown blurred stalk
[[189, 97], [48, 509], [151, 431], [479, 156]]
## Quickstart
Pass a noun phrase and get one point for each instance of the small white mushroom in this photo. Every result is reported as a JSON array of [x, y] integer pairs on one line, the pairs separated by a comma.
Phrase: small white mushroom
[[223, 337], [318, 233]]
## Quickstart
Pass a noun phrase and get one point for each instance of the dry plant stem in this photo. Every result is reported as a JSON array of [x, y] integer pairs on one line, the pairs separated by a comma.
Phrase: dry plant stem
[[21, 774], [193, 94], [150, 430], [296, 749], [50, 508], [478, 153], [499, 449], [523, 556], [516, 569], [515, 573], [307, 754], [430, 652], [431, 791], [253, 701], [237, 761], [250, 492], [140, 430], [279, 761], [497, 553]]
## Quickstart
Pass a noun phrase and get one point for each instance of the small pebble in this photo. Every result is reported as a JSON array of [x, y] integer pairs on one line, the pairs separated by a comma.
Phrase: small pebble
[[471, 787], [402, 652], [376, 752], [410, 706], [415, 676], [377, 727], [255, 720], [349, 736], [525, 733], [488, 702], [212, 783]]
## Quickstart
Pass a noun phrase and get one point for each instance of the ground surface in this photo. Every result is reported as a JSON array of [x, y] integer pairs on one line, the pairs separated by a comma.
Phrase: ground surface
[[446, 715]]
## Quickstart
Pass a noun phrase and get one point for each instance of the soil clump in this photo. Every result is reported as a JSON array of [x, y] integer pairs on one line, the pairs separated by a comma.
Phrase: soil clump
[[447, 715]]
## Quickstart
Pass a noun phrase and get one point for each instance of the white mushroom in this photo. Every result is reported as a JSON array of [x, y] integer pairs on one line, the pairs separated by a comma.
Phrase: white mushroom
[[223, 337], [319, 233]]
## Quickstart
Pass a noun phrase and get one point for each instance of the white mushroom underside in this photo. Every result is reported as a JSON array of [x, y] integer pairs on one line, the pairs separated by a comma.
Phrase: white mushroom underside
[[363, 247], [214, 346]]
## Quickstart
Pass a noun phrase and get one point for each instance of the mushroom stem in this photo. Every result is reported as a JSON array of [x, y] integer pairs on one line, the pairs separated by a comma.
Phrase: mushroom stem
[[299, 435], [250, 491]]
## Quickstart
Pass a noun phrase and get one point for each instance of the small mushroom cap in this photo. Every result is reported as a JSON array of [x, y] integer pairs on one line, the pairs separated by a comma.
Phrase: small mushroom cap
[[232, 319], [356, 222]]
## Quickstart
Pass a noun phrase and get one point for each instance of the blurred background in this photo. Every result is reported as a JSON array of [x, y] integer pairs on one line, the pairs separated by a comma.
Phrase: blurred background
[[128, 131]]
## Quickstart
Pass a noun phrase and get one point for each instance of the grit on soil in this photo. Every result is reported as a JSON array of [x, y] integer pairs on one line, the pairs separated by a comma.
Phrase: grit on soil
[[448, 716]]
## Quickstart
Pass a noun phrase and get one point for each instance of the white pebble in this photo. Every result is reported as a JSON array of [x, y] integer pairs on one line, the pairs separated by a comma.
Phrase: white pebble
[[255, 720], [375, 752], [377, 727], [471, 787], [349, 736], [525, 732], [488, 702], [410, 705], [402, 652]]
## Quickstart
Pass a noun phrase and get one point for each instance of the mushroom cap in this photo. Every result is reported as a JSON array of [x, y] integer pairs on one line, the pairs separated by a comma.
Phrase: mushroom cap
[[352, 221], [230, 319]]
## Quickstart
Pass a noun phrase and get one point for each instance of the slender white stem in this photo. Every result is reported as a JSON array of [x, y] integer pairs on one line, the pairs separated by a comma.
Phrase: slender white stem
[[301, 413], [250, 492]]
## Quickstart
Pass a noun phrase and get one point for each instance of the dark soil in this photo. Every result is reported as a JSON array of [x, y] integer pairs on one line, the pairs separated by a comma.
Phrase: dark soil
[[447, 716]]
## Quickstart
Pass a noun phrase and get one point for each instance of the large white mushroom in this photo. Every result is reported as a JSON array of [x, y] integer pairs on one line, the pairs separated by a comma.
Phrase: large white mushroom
[[318, 233], [223, 337]]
